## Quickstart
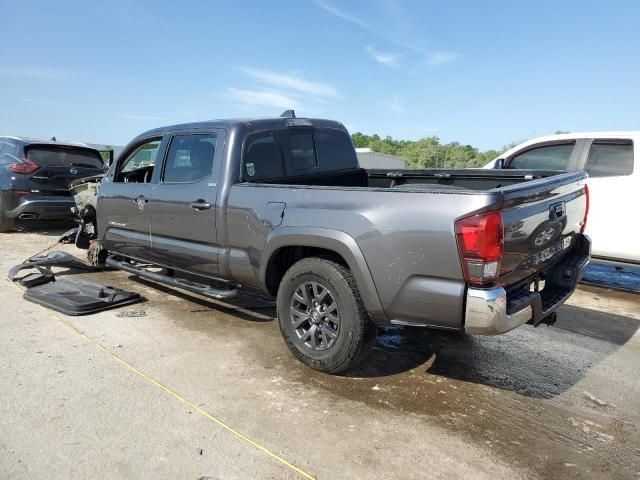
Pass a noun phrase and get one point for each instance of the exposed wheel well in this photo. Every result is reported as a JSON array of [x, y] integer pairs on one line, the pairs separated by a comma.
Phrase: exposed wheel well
[[284, 257]]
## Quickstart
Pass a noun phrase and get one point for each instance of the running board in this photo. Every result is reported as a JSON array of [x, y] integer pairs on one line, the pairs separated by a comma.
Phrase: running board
[[206, 290]]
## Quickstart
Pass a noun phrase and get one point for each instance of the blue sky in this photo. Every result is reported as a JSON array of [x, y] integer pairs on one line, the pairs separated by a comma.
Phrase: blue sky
[[484, 73]]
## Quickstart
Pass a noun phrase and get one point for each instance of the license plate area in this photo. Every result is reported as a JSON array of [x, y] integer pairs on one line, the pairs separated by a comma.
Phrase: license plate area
[[548, 253]]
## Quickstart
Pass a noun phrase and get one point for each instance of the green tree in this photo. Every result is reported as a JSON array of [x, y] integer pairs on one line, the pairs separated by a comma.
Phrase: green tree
[[427, 152]]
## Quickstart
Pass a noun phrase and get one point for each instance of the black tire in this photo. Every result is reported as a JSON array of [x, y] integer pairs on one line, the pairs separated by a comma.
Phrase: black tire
[[6, 223], [356, 333]]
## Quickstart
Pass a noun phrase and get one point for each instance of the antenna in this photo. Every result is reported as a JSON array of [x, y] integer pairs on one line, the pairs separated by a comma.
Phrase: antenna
[[53, 139], [288, 114]]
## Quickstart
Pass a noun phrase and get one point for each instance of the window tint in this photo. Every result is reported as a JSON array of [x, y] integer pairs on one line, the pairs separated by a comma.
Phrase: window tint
[[145, 156], [190, 158], [610, 158], [335, 150], [303, 152], [550, 157], [138, 166], [262, 159], [64, 156]]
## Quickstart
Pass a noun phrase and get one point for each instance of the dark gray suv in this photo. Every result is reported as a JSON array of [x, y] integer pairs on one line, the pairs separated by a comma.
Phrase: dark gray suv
[[35, 176]]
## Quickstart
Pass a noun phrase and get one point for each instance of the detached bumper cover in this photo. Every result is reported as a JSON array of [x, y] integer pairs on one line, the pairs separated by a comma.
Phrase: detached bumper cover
[[43, 207], [493, 311]]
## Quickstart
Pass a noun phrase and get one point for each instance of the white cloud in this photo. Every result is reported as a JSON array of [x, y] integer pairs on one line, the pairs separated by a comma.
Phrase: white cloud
[[38, 73], [395, 104], [388, 59], [344, 16], [440, 58], [294, 82], [433, 58], [265, 98]]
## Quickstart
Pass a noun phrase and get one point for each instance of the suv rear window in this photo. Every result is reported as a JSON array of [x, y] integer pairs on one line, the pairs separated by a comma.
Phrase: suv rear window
[[54, 156]]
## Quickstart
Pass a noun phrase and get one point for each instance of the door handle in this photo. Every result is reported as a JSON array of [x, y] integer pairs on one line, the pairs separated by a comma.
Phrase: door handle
[[140, 200], [200, 205]]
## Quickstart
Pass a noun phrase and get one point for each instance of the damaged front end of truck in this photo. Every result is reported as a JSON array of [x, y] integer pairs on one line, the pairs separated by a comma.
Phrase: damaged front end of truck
[[85, 193]]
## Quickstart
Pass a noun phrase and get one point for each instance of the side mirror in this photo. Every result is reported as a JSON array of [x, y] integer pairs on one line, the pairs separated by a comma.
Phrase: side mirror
[[499, 164]]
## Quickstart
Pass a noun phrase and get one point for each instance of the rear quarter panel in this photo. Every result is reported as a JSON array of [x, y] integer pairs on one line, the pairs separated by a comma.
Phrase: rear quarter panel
[[406, 238]]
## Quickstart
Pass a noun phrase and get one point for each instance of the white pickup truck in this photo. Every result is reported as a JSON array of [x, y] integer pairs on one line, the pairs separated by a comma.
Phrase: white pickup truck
[[614, 183]]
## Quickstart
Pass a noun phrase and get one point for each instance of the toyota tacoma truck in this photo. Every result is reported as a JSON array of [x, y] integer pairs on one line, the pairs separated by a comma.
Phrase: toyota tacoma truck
[[281, 204]]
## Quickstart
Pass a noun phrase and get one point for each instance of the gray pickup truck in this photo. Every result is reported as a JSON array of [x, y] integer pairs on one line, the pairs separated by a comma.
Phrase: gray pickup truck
[[282, 205]]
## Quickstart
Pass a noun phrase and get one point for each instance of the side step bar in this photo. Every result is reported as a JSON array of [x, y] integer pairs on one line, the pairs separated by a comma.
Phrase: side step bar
[[206, 290]]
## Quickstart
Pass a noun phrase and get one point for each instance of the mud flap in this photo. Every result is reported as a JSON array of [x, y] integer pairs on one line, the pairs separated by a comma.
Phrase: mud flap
[[79, 298]]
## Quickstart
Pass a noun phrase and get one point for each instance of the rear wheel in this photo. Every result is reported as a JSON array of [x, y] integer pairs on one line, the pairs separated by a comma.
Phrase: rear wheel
[[6, 223], [322, 318]]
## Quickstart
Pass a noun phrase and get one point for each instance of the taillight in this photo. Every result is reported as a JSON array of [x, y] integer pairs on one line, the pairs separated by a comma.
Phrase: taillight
[[25, 166], [586, 209], [480, 241]]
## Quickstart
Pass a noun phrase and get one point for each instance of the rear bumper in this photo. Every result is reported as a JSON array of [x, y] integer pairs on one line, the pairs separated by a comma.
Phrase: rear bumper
[[494, 311], [42, 207]]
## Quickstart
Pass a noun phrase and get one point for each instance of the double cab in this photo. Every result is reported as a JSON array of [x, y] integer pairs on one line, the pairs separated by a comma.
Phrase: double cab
[[281, 204]]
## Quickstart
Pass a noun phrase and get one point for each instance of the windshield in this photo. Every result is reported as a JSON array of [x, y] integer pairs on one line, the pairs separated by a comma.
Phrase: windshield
[[54, 156]]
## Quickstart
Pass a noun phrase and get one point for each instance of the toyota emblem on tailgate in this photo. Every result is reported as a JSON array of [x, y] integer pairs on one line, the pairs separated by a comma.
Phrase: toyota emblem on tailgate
[[73, 171]]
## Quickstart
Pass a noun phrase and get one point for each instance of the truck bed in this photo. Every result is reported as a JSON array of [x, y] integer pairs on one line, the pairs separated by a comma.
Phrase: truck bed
[[436, 179]]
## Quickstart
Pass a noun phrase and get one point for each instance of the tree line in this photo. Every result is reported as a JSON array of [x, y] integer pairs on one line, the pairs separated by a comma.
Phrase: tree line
[[427, 152]]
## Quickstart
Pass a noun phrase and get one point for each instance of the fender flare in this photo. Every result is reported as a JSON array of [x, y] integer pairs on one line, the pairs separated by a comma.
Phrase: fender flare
[[337, 241]]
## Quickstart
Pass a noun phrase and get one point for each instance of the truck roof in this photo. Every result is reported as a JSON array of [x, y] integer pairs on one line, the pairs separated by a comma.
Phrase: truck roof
[[256, 124]]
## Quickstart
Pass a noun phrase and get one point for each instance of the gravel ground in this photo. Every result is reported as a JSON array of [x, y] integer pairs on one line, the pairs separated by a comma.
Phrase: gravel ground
[[202, 389]]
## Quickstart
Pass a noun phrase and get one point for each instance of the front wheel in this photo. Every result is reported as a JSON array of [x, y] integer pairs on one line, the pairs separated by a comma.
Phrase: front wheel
[[322, 318]]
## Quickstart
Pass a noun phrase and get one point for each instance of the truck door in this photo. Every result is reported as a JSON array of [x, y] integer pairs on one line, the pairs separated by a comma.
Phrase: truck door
[[613, 190], [123, 200], [183, 204]]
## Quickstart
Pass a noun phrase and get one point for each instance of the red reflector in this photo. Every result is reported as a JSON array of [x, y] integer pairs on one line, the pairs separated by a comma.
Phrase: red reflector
[[25, 166], [22, 192], [586, 209], [480, 243]]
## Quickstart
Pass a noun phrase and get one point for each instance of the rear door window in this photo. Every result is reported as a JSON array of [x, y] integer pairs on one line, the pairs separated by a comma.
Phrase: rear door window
[[610, 158], [54, 156], [262, 159], [547, 157], [190, 158]]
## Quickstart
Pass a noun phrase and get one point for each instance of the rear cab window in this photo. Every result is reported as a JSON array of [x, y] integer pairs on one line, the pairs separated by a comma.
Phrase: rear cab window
[[610, 158], [545, 157], [296, 152]]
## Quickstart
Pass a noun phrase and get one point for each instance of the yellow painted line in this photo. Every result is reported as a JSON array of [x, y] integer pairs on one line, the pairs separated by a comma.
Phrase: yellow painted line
[[175, 395]]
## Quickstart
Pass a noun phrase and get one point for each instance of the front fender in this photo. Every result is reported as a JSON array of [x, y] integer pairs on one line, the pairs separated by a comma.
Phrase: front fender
[[336, 241]]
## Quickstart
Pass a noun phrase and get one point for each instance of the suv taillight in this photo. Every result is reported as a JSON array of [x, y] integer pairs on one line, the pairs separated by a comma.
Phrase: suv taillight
[[583, 227], [480, 241], [24, 166]]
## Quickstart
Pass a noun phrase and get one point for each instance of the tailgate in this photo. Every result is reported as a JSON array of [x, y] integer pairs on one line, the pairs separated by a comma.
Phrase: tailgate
[[59, 165], [541, 220]]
